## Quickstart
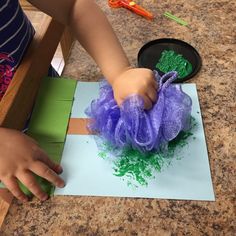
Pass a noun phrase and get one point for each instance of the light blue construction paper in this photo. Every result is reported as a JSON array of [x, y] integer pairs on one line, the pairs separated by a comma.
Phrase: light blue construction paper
[[88, 174], [85, 92]]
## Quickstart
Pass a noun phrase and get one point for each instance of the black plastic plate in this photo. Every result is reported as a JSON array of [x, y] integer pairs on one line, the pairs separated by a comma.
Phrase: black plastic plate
[[150, 54]]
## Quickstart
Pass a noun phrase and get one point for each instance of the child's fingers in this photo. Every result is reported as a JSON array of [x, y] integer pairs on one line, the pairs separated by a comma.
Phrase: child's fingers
[[152, 94], [32, 140], [147, 103], [52, 165], [12, 185], [154, 84], [41, 169], [118, 101], [30, 182], [152, 81]]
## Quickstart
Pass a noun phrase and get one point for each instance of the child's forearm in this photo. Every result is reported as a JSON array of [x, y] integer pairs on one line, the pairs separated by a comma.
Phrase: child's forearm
[[96, 35], [92, 30]]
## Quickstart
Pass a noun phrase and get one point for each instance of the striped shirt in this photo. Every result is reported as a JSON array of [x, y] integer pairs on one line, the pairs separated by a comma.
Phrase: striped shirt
[[16, 32]]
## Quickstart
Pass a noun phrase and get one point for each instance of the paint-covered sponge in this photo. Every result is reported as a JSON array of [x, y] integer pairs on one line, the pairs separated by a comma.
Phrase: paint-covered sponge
[[132, 126]]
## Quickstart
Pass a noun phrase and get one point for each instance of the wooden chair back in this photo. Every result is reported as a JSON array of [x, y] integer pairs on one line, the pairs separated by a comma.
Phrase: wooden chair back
[[17, 103]]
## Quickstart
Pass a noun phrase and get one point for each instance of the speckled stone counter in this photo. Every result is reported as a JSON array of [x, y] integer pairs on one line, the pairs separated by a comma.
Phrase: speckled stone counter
[[212, 31]]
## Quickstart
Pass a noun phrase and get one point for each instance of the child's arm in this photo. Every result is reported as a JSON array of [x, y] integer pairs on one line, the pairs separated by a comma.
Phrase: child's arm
[[20, 157], [95, 34]]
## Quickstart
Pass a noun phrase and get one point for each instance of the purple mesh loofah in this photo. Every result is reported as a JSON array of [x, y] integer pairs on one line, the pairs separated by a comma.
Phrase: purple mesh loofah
[[131, 125]]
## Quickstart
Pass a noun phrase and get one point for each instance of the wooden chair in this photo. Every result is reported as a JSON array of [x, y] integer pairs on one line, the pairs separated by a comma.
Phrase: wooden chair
[[17, 103]]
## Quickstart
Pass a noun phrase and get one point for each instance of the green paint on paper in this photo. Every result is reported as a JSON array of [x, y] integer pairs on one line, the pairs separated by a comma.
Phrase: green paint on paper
[[138, 168], [171, 61]]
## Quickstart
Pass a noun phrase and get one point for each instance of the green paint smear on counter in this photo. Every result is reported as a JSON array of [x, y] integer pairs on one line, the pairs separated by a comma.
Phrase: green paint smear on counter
[[171, 61], [138, 168]]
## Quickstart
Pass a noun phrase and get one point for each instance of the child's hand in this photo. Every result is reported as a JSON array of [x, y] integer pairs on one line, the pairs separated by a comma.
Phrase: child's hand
[[20, 157], [136, 81]]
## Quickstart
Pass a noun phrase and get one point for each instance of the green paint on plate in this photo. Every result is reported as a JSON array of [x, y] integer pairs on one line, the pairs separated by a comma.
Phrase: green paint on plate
[[171, 61]]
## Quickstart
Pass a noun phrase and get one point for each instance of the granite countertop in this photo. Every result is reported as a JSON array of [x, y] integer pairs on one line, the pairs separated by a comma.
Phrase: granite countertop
[[212, 31]]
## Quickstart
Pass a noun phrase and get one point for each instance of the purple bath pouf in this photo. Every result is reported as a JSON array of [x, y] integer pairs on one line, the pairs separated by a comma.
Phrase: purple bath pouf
[[130, 125]]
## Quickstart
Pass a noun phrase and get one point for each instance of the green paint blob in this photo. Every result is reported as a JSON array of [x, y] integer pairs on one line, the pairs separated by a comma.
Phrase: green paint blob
[[137, 168], [171, 61]]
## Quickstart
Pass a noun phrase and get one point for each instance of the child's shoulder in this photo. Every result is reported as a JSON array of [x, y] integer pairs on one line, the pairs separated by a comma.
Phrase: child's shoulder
[[15, 29], [16, 33], [8, 4], [10, 11]]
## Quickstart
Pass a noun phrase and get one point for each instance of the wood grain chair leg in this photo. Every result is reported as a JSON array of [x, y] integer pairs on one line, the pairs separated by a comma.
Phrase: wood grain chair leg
[[66, 42], [5, 202]]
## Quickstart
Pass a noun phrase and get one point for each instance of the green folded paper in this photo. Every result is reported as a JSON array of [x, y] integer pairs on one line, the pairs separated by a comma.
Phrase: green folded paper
[[49, 121]]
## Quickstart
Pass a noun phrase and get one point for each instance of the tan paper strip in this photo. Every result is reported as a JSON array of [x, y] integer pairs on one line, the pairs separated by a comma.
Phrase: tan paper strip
[[78, 126]]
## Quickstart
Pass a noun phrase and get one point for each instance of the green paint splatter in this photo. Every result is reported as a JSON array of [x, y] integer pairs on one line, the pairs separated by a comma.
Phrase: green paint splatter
[[138, 168], [171, 61]]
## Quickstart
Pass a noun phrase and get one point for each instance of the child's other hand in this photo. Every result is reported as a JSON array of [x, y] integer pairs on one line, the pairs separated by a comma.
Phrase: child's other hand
[[139, 81], [20, 157]]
